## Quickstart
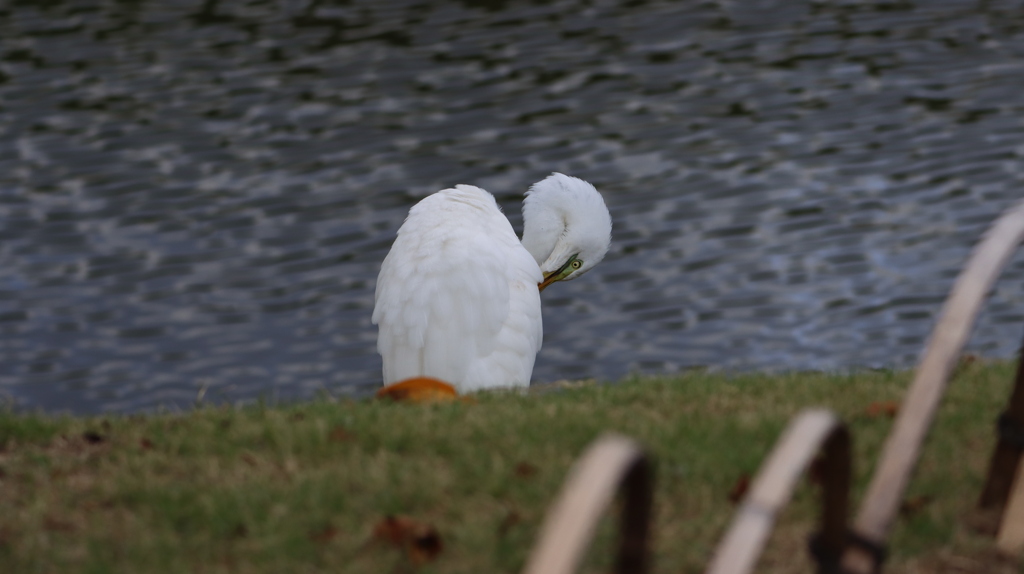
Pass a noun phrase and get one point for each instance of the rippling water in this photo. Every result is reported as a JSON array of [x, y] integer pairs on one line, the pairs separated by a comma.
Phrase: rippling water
[[197, 195]]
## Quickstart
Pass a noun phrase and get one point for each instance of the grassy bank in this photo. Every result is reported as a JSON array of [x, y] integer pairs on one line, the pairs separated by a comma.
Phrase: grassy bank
[[304, 488]]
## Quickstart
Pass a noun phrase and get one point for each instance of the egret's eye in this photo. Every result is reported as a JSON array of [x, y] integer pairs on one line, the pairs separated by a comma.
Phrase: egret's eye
[[576, 264]]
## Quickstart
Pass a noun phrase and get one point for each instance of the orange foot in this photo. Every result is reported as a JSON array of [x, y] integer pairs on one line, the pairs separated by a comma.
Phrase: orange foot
[[419, 390]]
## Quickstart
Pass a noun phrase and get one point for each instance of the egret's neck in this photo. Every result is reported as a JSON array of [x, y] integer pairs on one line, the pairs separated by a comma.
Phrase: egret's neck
[[542, 228]]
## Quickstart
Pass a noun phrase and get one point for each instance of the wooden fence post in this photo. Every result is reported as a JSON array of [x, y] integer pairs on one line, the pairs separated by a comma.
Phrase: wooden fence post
[[903, 446], [813, 431], [1007, 454], [615, 462], [611, 463]]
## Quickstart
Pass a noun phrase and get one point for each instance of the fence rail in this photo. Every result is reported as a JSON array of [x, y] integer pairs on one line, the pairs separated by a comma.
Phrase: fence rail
[[811, 432], [612, 463], [617, 463]]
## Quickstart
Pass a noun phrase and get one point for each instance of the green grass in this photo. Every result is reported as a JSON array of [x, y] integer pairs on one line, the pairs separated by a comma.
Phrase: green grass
[[300, 488]]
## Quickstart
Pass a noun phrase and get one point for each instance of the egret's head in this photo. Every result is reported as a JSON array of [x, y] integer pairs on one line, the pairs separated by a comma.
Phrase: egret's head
[[566, 227]]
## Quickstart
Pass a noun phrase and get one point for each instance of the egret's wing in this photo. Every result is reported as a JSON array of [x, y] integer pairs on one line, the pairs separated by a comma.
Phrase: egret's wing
[[510, 363]]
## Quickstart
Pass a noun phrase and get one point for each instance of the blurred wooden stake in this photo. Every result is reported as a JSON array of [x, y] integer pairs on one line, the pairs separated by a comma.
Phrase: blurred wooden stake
[[903, 446], [810, 432], [611, 463], [1010, 540]]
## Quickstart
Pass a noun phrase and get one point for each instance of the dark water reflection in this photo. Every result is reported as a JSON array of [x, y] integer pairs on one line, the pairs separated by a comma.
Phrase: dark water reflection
[[197, 195]]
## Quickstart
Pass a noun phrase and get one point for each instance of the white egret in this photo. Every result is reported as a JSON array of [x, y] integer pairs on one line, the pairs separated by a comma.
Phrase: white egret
[[458, 295]]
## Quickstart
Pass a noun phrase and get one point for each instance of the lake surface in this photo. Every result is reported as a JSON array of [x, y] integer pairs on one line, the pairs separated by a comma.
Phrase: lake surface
[[196, 196]]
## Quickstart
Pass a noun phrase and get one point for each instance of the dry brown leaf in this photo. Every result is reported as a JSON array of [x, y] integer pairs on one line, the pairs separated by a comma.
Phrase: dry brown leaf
[[914, 504], [339, 434], [421, 542], [323, 535], [882, 408], [92, 437], [419, 390], [506, 524], [426, 548], [394, 529], [739, 488], [57, 525], [525, 470]]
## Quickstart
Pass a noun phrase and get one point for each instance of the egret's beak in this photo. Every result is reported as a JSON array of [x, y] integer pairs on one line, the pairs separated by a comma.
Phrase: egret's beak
[[548, 280]]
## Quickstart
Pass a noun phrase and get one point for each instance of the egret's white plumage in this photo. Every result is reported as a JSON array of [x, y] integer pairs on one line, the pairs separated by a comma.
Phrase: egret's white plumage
[[457, 296]]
